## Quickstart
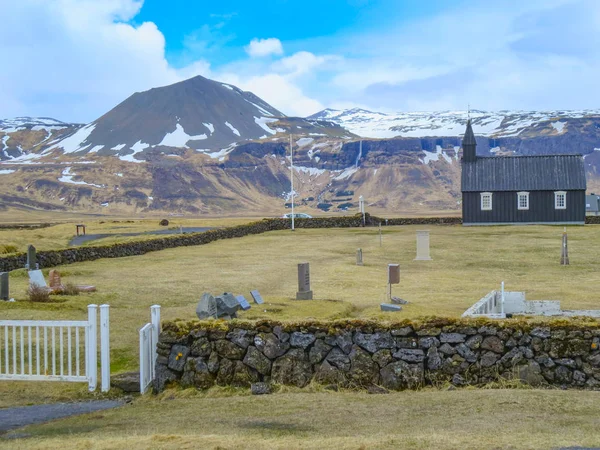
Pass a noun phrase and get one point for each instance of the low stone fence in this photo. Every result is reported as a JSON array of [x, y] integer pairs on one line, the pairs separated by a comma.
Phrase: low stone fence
[[352, 353]]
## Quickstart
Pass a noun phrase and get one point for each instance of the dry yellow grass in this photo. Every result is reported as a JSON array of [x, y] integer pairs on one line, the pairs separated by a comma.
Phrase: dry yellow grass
[[462, 419]]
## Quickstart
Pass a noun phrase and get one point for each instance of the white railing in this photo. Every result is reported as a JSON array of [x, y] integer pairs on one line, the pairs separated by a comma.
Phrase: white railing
[[55, 350], [148, 340], [492, 306]]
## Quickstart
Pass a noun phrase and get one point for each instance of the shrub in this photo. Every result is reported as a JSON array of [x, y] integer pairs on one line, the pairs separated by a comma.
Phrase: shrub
[[70, 289], [38, 294], [164, 223]]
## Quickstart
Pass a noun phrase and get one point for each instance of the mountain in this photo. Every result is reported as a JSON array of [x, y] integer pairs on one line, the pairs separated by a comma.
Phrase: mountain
[[500, 124]]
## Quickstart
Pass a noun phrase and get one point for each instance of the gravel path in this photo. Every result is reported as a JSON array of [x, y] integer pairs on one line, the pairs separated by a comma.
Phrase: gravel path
[[78, 240], [11, 418]]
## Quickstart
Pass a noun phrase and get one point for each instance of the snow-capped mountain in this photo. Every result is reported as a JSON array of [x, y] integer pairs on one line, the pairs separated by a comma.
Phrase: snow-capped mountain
[[31, 123], [496, 124]]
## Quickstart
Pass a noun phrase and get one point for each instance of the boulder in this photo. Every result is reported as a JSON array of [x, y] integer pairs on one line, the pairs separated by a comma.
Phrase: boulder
[[270, 345], [178, 357], [302, 340], [375, 341], [293, 369], [228, 349], [401, 375], [260, 388], [128, 382], [255, 359], [318, 351], [363, 370]]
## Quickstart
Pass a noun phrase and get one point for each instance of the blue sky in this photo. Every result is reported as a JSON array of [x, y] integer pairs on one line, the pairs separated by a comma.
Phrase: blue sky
[[76, 59]]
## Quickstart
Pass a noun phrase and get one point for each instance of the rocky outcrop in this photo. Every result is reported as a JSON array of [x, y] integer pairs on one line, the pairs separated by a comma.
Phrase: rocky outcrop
[[366, 353]]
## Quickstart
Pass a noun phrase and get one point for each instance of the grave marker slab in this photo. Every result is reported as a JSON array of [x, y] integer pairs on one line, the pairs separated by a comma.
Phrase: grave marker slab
[[393, 273], [31, 258], [54, 280], [257, 297], [359, 257], [37, 277], [391, 308], [4, 286], [207, 307], [227, 305], [304, 292], [243, 302], [423, 246]]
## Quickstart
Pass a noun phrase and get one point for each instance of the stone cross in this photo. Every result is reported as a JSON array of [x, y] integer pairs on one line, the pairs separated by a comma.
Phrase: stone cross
[[31, 258], [423, 246], [359, 259], [4, 286], [564, 257], [304, 292]]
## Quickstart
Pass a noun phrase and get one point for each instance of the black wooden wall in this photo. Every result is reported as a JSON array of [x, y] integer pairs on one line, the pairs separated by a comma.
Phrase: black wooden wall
[[541, 208]]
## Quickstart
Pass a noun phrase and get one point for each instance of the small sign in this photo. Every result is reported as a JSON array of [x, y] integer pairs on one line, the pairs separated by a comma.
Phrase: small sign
[[243, 302], [257, 297]]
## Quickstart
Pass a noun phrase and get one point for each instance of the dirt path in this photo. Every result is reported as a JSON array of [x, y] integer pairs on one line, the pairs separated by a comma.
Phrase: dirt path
[[11, 418]]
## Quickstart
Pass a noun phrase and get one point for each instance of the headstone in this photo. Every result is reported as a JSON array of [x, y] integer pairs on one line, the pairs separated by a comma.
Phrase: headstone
[[227, 305], [423, 246], [80, 227], [393, 273], [564, 257], [54, 280], [257, 297], [399, 301], [207, 307], [243, 302], [31, 258], [37, 277], [304, 292], [390, 307], [4, 286], [359, 258]]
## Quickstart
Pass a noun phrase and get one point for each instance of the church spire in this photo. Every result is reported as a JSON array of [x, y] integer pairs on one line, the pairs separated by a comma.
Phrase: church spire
[[469, 144]]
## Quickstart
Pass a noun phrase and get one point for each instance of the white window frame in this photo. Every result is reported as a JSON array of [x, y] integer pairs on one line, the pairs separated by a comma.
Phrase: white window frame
[[521, 195], [486, 195], [557, 195]]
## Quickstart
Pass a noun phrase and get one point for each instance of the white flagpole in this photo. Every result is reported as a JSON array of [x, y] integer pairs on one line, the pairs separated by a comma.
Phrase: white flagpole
[[292, 177]]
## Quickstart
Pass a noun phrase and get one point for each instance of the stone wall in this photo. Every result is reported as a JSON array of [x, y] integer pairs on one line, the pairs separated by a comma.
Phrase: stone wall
[[356, 353]]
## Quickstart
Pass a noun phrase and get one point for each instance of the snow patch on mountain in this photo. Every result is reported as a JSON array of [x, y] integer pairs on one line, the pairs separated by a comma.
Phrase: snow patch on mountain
[[303, 142], [139, 146], [558, 126], [435, 156], [210, 127], [263, 121], [312, 171], [67, 177], [232, 128], [119, 147], [74, 142], [347, 173], [179, 138], [7, 171]]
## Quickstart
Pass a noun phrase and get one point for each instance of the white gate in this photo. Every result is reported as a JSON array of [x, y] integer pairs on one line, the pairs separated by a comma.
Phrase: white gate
[[56, 350], [148, 340]]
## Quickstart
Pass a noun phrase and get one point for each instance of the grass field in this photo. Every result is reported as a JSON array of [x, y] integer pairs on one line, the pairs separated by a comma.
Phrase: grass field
[[461, 419]]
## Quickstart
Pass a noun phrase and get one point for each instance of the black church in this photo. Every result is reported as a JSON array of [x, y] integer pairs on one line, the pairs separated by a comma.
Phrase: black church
[[497, 190]]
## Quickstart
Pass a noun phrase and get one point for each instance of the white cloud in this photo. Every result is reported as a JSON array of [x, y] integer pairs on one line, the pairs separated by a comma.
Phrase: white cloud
[[301, 63], [264, 47]]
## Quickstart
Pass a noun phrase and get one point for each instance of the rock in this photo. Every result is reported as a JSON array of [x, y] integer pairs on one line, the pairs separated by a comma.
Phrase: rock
[[339, 359], [127, 382], [488, 359], [527, 352], [541, 332], [374, 342], [406, 342], [213, 363], [196, 374], [281, 335], [318, 351], [563, 374], [227, 305], [579, 377], [229, 350], [466, 353], [474, 342], [270, 345], [493, 343], [344, 342], [363, 370], [243, 376], [545, 360], [240, 337], [292, 369], [410, 355], [428, 342], [452, 338], [512, 358], [225, 373], [531, 374], [401, 375], [328, 374], [260, 388], [566, 362], [594, 360], [433, 331], [487, 331], [404, 331], [201, 347], [434, 360], [162, 377], [447, 349], [178, 357], [373, 389], [207, 307], [458, 380], [302, 340], [255, 359], [383, 357]]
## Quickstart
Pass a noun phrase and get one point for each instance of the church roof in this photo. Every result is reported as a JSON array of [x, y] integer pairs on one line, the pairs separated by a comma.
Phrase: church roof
[[469, 137]]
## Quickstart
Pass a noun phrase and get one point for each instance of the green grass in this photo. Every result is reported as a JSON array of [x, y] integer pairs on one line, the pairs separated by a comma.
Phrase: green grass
[[461, 419]]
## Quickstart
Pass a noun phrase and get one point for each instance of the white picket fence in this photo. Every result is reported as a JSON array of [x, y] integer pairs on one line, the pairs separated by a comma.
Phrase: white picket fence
[[148, 340], [52, 350]]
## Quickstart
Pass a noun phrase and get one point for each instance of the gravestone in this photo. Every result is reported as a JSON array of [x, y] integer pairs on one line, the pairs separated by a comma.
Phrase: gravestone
[[257, 297], [227, 305], [4, 286], [37, 277], [391, 308], [304, 292], [243, 302], [423, 246], [393, 273], [564, 257], [54, 280], [207, 307], [31, 258], [359, 257]]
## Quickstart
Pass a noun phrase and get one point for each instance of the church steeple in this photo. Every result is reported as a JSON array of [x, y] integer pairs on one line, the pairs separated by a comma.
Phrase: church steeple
[[469, 144]]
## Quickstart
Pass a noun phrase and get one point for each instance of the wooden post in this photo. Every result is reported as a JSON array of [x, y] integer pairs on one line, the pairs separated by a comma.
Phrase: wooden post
[[564, 258]]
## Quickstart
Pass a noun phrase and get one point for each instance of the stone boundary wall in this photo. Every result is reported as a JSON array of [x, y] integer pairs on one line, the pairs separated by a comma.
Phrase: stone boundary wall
[[354, 353], [53, 258]]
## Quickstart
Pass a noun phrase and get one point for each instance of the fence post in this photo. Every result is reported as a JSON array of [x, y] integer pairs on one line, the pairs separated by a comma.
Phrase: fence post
[[91, 351], [105, 348], [155, 319]]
